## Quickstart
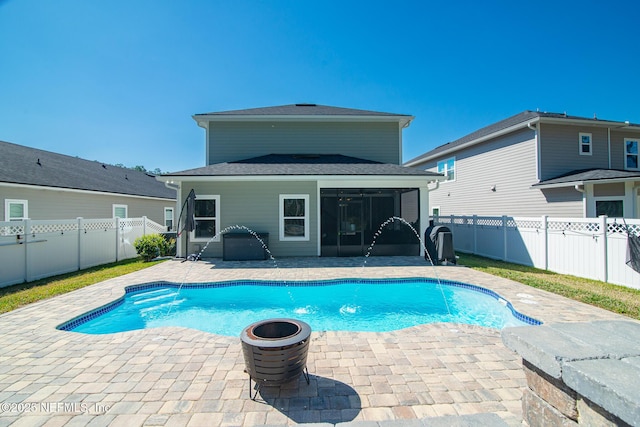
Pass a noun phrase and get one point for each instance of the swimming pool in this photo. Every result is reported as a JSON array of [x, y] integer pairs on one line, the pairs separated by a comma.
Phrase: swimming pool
[[374, 305]]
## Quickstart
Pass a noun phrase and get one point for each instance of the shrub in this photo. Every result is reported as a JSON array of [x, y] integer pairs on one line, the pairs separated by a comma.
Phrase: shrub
[[150, 246], [170, 247]]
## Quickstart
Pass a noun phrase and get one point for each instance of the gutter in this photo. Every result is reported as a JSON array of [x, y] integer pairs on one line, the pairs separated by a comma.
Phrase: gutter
[[576, 184], [204, 119]]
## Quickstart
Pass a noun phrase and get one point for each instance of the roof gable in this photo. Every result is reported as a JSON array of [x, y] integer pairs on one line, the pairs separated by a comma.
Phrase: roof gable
[[31, 166]]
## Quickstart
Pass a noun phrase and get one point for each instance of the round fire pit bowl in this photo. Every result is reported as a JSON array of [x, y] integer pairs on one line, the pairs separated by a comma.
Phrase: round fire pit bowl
[[275, 351]]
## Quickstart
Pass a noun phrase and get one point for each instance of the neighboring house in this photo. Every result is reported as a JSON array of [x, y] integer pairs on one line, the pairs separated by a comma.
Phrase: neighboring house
[[319, 180], [38, 184], [536, 164]]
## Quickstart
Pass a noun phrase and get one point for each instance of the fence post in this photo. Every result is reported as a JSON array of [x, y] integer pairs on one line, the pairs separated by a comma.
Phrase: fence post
[[504, 238], [27, 257], [117, 239], [144, 225], [545, 242], [79, 242], [475, 234], [603, 245]]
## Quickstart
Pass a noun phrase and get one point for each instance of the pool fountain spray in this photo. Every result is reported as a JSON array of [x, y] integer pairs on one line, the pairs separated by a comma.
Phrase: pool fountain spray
[[377, 234], [195, 257]]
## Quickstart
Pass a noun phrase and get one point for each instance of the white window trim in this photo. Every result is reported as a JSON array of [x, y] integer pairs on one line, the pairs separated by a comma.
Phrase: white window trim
[[192, 235], [281, 200], [626, 154], [7, 209], [126, 210], [173, 218], [455, 172], [580, 144], [609, 199]]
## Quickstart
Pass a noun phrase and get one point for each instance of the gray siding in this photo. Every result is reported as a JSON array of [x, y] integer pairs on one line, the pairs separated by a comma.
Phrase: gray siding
[[61, 204], [559, 149], [231, 141], [509, 163], [617, 147], [256, 205]]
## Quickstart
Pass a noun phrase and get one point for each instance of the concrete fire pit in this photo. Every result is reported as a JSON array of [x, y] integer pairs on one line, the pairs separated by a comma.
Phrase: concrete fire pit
[[275, 352]]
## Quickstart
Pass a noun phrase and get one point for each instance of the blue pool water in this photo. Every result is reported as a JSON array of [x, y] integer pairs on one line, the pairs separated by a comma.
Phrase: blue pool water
[[336, 305]]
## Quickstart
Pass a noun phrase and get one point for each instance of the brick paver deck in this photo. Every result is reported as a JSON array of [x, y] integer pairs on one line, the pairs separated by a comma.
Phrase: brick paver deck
[[176, 376]]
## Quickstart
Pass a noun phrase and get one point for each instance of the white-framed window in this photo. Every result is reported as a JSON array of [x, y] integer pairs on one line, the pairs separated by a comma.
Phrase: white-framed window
[[294, 217], [168, 218], [16, 210], [631, 153], [584, 144], [207, 219], [435, 211], [613, 208], [120, 211], [447, 167]]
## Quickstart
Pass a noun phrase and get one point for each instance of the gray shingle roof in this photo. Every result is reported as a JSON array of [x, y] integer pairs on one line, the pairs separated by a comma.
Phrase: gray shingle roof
[[31, 166], [303, 164], [520, 118], [589, 175], [301, 110]]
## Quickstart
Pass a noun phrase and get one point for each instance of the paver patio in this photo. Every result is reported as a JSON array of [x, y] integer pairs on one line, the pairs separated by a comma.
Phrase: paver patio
[[176, 376]]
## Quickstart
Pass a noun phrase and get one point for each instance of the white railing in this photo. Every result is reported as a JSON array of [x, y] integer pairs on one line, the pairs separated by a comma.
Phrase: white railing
[[34, 249], [594, 248]]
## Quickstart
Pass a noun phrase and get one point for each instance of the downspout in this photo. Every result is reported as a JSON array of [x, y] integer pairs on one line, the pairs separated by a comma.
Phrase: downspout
[[580, 188], [634, 197], [609, 146], [535, 129]]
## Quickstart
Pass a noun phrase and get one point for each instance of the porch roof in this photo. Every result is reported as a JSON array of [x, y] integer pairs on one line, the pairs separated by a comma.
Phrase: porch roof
[[304, 165], [580, 177]]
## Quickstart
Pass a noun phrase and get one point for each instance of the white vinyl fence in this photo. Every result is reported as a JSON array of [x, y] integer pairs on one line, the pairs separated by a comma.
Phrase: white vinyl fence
[[594, 248], [34, 249]]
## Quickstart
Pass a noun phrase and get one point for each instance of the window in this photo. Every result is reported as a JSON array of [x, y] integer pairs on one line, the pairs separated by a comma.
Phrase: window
[[610, 208], [447, 167], [207, 219], [585, 144], [168, 218], [435, 211], [630, 153], [294, 217], [15, 210], [120, 211]]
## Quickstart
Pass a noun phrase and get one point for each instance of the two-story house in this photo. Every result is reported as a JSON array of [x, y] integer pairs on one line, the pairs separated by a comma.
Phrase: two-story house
[[318, 180], [537, 163]]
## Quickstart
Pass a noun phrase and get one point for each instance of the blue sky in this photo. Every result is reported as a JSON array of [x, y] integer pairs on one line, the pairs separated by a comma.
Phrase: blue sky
[[118, 81]]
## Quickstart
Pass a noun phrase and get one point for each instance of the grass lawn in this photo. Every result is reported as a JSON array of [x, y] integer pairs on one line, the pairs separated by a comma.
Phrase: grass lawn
[[618, 299], [16, 296]]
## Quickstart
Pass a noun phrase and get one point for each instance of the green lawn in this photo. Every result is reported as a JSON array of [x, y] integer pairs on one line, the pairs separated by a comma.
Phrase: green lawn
[[618, 299], [16, 296]]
